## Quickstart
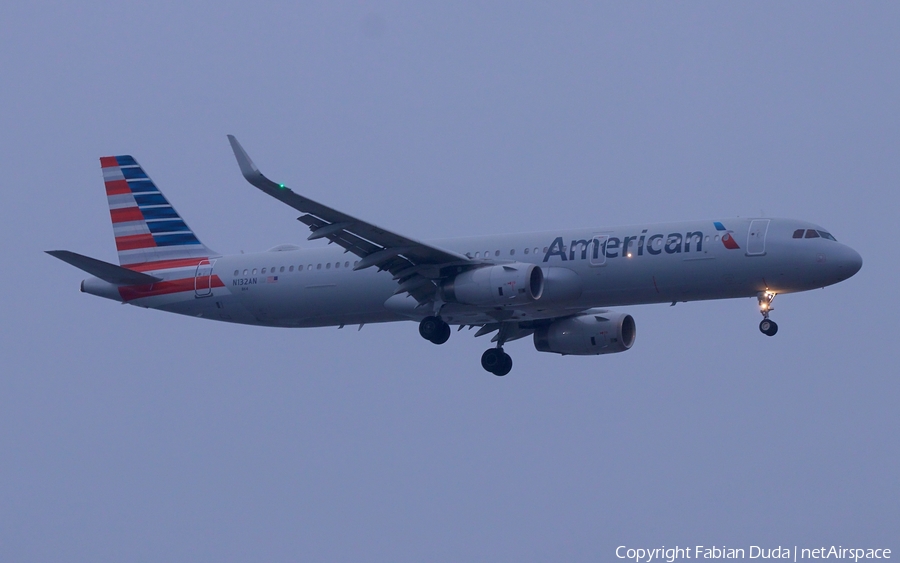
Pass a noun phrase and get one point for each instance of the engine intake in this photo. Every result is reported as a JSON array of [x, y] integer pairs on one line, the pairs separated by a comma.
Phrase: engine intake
[[505, 284], [587, 334]]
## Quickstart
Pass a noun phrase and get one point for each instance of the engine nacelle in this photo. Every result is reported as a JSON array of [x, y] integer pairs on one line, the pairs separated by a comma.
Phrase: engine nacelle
[[587, 334], [561, 285], [505, 284]]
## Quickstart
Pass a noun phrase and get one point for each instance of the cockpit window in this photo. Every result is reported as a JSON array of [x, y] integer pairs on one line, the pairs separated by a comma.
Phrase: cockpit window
[[813, 233]]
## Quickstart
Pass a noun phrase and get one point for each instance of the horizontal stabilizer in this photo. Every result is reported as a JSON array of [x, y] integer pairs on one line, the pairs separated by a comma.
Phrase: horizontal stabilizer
[[104, 270]]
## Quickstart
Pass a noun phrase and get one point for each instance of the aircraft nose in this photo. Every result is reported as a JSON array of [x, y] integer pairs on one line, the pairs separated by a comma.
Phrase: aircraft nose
[[850, 262]]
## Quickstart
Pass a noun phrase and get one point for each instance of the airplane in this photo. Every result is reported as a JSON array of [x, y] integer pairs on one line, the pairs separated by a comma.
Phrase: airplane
[[555, 286]]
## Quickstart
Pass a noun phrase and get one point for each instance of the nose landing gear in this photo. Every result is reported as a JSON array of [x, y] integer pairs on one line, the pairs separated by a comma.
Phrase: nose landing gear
[[766, 326], [434, 329]]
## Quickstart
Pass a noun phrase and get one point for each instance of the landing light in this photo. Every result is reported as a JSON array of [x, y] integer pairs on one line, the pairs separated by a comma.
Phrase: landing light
[[629, 255]]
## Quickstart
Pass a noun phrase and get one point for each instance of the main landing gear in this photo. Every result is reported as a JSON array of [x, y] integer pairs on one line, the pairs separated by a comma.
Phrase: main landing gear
[[766, 326], [434, 329], [496, 361]]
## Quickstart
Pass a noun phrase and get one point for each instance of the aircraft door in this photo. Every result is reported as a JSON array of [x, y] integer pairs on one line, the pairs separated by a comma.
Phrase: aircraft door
[[597, 250], [203, 278], [756, 237]]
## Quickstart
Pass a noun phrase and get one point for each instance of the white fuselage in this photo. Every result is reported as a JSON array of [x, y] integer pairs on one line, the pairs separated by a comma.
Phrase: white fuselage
[[669, 262]]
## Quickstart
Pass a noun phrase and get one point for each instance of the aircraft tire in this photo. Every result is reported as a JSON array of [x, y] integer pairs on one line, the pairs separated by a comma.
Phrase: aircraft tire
[[443, 334], [496, 361], [767, 327], [491, 359], [430, 327], [505, 365]]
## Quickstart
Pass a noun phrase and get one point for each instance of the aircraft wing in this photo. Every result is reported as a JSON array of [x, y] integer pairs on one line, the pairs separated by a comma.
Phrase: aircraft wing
[[413, 263]]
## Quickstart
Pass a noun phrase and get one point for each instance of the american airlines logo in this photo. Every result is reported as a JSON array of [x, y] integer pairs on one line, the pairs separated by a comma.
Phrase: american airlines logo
[[603, 246], [727, 237]]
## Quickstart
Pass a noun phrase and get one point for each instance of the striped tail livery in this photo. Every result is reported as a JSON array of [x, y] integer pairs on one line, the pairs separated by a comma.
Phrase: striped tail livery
[[148, 230]]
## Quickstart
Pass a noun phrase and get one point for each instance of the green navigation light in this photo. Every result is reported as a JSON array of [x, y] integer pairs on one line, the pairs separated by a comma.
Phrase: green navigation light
[[281, 186]]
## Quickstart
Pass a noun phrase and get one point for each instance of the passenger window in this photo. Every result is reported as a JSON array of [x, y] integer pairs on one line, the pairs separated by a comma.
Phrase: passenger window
[[318, 266], [254, 271], [337, 264], [236, 272], [536, 250], [512, 252], [291, 269], [263, 271], [496, 253], [811, 233], [525, 251], [347, 264], [798, 233], [328, 266], [309, 267], [281, 269], [827, 236], [245, 271], [477, 254]]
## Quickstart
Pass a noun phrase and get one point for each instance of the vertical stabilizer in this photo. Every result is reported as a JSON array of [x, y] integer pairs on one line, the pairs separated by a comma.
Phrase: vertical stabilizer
[[148, 230]]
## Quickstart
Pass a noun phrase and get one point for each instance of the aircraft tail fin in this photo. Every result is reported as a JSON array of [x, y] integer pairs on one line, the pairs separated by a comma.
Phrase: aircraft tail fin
[[148, 230]]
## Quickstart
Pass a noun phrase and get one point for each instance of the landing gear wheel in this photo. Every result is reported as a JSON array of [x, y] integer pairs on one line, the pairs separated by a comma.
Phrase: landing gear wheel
[[443, 334], [496, 361], [491, 359], [505, 365], [429, 327], [767, 327], [434, 329]]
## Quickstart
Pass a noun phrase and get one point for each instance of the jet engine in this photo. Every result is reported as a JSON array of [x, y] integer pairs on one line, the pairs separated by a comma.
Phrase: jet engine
[[506, 284], [587, 334]]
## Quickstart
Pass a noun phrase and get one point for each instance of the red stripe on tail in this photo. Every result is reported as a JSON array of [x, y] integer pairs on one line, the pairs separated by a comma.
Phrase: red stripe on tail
[[117, 187], [132, 242], [125, 214]]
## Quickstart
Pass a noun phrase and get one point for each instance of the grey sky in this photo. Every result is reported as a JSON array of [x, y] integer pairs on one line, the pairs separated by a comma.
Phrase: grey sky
[[129, 434]]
